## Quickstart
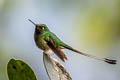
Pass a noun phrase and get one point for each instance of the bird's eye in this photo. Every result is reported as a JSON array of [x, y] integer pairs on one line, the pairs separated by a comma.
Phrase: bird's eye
[[42, 28]]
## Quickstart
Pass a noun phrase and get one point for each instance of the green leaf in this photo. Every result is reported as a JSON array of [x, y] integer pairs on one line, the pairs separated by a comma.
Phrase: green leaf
[[19, 70]]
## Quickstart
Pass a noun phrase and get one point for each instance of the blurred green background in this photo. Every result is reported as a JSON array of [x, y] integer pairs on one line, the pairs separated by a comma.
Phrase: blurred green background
[[91, 26]]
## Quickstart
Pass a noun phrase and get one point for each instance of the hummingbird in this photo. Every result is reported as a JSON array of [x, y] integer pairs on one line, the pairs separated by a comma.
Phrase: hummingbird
[[46, 40]]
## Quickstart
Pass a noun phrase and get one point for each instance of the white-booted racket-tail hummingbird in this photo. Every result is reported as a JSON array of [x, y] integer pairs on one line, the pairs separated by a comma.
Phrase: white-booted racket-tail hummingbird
[[46, 40]]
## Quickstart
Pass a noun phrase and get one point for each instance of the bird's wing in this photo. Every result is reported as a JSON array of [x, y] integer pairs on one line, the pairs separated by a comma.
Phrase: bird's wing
[[56, 49]]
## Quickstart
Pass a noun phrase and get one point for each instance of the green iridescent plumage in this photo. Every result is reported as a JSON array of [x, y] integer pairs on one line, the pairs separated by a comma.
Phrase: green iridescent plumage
[[46, 40]]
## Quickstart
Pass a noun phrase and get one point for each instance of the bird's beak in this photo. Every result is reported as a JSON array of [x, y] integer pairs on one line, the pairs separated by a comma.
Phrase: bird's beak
[[32, 21]]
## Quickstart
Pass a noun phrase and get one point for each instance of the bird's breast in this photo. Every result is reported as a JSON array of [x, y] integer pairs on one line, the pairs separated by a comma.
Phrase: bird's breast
[[40, 42]]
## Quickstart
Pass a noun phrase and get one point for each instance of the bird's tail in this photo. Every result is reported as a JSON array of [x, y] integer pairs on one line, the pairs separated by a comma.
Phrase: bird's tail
[[91, 56]]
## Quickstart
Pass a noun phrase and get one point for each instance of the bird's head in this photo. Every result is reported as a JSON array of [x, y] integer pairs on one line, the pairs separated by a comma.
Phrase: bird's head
[[40, 27]]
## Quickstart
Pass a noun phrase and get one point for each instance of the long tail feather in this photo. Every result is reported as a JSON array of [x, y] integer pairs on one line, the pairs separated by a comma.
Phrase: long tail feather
[[91, 56]]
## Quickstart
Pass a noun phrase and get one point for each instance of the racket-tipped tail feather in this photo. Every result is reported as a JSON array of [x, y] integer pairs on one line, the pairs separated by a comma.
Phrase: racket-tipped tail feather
[[110, 61]]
